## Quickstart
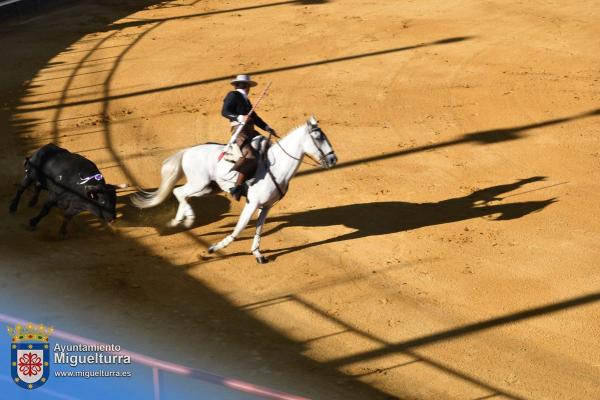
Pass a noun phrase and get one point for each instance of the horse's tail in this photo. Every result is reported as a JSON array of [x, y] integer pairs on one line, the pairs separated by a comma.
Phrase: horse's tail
[[170, 173]]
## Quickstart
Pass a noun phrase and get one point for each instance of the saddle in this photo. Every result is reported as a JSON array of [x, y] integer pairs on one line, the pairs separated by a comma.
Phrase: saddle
[[232, 153], [231, 160]]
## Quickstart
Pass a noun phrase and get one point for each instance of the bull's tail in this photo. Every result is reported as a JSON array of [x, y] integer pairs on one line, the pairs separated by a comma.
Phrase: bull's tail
[[170, 173]]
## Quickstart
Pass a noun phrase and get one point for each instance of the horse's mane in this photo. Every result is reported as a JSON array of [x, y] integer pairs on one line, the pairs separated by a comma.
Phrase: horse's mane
[[298, 127], [293, 130]]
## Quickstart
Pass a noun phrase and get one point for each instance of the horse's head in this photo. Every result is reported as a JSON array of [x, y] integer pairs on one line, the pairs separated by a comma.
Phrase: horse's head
[[318, 146]]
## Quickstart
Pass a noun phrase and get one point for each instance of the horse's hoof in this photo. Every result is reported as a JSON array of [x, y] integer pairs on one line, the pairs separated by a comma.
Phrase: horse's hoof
[[12, 209], [211, 249], [188, 223], [31, 227], [262, 260]]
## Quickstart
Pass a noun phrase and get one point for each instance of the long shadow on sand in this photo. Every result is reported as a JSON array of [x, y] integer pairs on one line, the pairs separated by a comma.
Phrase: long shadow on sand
[[485, 137], [141, 22], [111, 97], [382, 218]]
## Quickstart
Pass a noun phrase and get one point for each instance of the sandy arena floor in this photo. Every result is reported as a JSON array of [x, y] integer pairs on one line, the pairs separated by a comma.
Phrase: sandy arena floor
[[452, 254]]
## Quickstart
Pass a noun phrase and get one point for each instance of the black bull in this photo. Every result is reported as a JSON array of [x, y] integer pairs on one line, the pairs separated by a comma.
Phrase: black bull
[[73, 182]]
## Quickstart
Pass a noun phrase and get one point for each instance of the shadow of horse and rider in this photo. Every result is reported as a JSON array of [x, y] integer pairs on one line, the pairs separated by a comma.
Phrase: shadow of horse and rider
[[388, 217]]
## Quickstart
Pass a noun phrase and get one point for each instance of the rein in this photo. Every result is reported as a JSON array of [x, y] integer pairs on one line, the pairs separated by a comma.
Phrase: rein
[[281, 192], [315, 162], [268, 167]]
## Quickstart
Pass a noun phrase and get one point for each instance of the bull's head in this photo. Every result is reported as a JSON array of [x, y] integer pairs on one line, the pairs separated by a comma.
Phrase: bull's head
[[103, 200]]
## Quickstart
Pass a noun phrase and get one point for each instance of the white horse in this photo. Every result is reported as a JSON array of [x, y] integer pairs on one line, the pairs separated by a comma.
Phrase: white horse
[[202, 165]]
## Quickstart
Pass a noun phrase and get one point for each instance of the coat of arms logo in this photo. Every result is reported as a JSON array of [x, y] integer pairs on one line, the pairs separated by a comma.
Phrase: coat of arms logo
[[30, 355]]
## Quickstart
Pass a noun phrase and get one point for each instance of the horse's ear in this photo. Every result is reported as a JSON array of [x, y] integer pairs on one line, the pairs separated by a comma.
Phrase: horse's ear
[[313, 120]]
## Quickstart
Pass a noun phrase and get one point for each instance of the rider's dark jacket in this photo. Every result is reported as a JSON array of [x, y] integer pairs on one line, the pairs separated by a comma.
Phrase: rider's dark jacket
[[236, 104]]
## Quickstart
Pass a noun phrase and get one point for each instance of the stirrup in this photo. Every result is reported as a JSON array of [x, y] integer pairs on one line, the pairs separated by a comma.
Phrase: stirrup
[[238, 191], [251, 181]]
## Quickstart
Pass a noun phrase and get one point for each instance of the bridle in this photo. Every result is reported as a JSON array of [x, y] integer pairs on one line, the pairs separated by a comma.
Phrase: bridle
[[323, 156], [318, 163], [322, 137]]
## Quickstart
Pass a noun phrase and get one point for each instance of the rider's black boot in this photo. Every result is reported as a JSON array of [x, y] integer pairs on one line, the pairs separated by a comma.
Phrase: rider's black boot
[[238, 190]]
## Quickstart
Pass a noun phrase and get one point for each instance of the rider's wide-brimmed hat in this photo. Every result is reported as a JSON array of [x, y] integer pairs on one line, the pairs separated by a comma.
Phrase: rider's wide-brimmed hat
[[243, 79]]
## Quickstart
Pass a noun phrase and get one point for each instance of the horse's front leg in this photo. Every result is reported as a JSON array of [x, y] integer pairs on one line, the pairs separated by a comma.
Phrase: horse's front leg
[[262, 216], [247, 213]]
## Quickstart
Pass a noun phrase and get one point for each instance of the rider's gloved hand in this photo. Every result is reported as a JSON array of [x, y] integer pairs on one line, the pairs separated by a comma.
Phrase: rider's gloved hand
[[241, 119]]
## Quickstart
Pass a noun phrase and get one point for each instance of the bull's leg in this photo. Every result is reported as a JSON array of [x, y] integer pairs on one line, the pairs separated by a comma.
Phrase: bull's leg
[[45, 210], [262, 216], [185, 213], [68, 215], [247, 213], [27, 180], [36, 195]]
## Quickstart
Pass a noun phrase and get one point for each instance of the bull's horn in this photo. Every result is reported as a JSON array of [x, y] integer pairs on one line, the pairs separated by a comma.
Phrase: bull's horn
[[122, 185]]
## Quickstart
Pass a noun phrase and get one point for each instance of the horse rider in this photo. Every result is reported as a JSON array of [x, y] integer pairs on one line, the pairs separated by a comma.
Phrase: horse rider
[[236, 107]]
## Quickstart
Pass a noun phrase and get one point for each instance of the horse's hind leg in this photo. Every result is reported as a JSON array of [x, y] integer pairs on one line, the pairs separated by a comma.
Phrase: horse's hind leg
[[181, 193], [27, 180], [185, 213]]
